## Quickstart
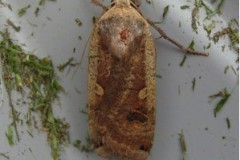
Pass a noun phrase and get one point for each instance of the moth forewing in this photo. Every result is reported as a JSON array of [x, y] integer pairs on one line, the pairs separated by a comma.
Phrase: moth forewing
[[121, 84]]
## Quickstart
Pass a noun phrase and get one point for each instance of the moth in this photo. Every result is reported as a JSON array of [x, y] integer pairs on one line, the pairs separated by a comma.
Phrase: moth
[[122, 82]]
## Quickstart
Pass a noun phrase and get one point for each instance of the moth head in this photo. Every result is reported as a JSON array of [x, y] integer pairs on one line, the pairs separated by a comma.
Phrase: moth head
[[133, 3]]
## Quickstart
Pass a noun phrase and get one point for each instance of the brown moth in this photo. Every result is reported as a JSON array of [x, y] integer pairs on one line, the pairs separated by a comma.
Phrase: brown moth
[[122, 84]]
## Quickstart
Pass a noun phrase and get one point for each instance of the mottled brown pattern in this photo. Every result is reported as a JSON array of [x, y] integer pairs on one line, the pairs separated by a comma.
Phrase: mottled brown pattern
[[121, 122]]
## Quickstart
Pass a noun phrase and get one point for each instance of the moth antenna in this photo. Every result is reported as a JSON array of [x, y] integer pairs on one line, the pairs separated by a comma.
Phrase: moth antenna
[[82, 56], [135, 3], [112, 3], [100, 4]]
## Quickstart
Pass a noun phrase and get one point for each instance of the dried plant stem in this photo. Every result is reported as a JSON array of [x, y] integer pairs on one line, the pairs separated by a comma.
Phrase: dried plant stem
[[164, 35], [13, 115]]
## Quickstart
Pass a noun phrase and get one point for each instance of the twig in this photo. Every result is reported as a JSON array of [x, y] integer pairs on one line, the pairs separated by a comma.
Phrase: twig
[[164, 35]]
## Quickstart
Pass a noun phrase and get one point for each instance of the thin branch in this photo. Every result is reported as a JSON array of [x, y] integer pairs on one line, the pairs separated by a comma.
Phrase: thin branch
[[164, 35]]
